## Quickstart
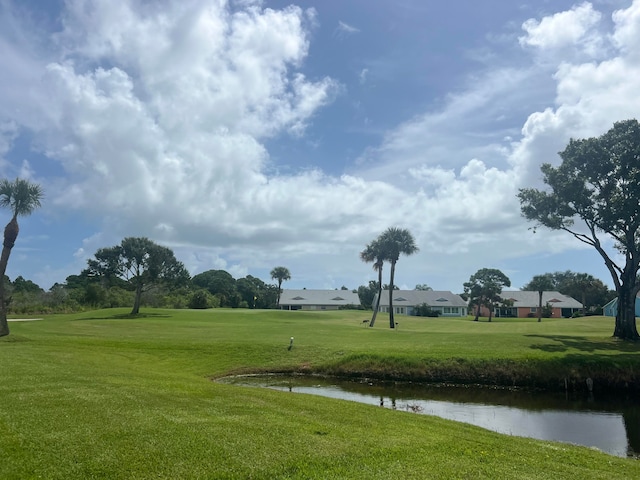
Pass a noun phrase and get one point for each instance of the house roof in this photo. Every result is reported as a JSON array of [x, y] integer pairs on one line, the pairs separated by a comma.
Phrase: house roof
[[319, 297], [529, 299], [433, 298]]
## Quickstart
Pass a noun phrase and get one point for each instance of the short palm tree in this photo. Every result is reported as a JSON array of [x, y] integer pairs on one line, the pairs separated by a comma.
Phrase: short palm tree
[[281, 274], [373, 253], [22, 197], [540, 284], [395, 242]]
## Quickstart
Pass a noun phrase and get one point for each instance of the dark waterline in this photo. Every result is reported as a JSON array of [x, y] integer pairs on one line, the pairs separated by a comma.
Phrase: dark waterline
[[610, 424]]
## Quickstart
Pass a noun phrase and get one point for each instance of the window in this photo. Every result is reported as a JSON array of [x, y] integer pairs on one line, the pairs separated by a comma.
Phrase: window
[[534, 309], [448, 310]]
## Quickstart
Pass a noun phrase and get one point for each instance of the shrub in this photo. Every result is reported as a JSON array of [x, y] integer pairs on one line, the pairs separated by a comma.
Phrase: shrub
[[425, 310]]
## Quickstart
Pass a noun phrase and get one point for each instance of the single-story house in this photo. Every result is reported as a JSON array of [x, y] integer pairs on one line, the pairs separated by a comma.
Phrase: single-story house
[[317, 299], [611, 308], [404, 302], [525, 304]]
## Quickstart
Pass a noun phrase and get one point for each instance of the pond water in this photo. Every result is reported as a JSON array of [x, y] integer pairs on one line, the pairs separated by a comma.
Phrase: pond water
[[609, 423]]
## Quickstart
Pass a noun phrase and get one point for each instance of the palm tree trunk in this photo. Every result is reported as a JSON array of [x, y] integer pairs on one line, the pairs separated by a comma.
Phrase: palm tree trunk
[[392, 323], [279, 292], [4, 324], [540, 305], [10, 234], [377, 306]]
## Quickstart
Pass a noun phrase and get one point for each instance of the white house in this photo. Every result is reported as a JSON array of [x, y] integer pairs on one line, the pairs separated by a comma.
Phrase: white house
[[525, 304], [317, 299], [447, 304]]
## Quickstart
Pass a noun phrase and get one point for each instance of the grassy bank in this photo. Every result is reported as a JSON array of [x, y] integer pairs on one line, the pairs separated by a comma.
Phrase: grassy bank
[[100, 395]]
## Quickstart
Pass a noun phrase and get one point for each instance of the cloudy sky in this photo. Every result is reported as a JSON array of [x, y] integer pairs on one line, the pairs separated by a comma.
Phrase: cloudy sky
[[247, 134]]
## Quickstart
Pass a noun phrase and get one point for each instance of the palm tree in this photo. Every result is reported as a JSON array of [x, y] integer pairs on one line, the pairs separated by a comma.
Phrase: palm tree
[[394, 242], [281, 274], [373, 253], [540, 284], [22, 197]]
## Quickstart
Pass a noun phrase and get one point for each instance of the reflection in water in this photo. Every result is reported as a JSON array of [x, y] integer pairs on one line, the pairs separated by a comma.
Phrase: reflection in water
[[611, 425]]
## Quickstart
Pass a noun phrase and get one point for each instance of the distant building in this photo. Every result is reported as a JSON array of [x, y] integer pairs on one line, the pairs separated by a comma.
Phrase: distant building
[[447, 304], [525, 304], [317, 299], [611, 308]]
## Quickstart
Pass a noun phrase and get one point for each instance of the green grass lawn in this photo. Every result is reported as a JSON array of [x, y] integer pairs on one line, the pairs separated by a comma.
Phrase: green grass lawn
[[100, 395]]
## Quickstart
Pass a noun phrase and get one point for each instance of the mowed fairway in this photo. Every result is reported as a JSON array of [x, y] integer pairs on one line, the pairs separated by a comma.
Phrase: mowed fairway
[[100, 395]]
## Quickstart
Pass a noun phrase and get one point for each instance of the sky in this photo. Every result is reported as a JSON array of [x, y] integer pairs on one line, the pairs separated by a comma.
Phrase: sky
[[248, 134]]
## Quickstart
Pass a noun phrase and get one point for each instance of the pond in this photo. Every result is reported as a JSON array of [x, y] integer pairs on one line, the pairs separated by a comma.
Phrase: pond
[[608, 423]]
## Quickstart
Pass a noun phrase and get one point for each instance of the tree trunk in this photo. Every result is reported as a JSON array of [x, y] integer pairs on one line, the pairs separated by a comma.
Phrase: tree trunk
[[4, 324], [10, 234], [539, 305], [625, 328], [490, 310], [477, 310], [136, 303], [377, 306], [279, 292], [392, 323]]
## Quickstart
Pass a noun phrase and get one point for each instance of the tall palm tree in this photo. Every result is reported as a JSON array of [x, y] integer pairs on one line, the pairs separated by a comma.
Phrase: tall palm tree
[[22, 197], [281, 274], [373, 253], [395, 242]]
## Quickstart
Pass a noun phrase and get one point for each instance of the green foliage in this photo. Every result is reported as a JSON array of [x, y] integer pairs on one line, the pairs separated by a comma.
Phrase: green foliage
[[21, 196], [22, 285], [597, 183], [424, 310], [366, 294], [201, 299], [484, 288], [140, 262]]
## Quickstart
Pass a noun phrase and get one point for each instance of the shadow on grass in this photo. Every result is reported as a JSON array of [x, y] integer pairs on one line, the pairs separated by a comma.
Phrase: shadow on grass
[[127, 316], [583, 344], [12, 338]]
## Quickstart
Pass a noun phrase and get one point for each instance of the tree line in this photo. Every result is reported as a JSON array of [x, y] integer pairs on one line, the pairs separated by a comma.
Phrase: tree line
[[140, 272]]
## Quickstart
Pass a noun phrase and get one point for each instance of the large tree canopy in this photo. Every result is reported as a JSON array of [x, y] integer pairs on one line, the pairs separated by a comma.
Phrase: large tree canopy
[[140, 262], [593, 193], [484, 288]]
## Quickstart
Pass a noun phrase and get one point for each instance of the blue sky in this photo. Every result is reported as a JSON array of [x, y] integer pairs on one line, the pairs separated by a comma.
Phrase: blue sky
[[250, 134]]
